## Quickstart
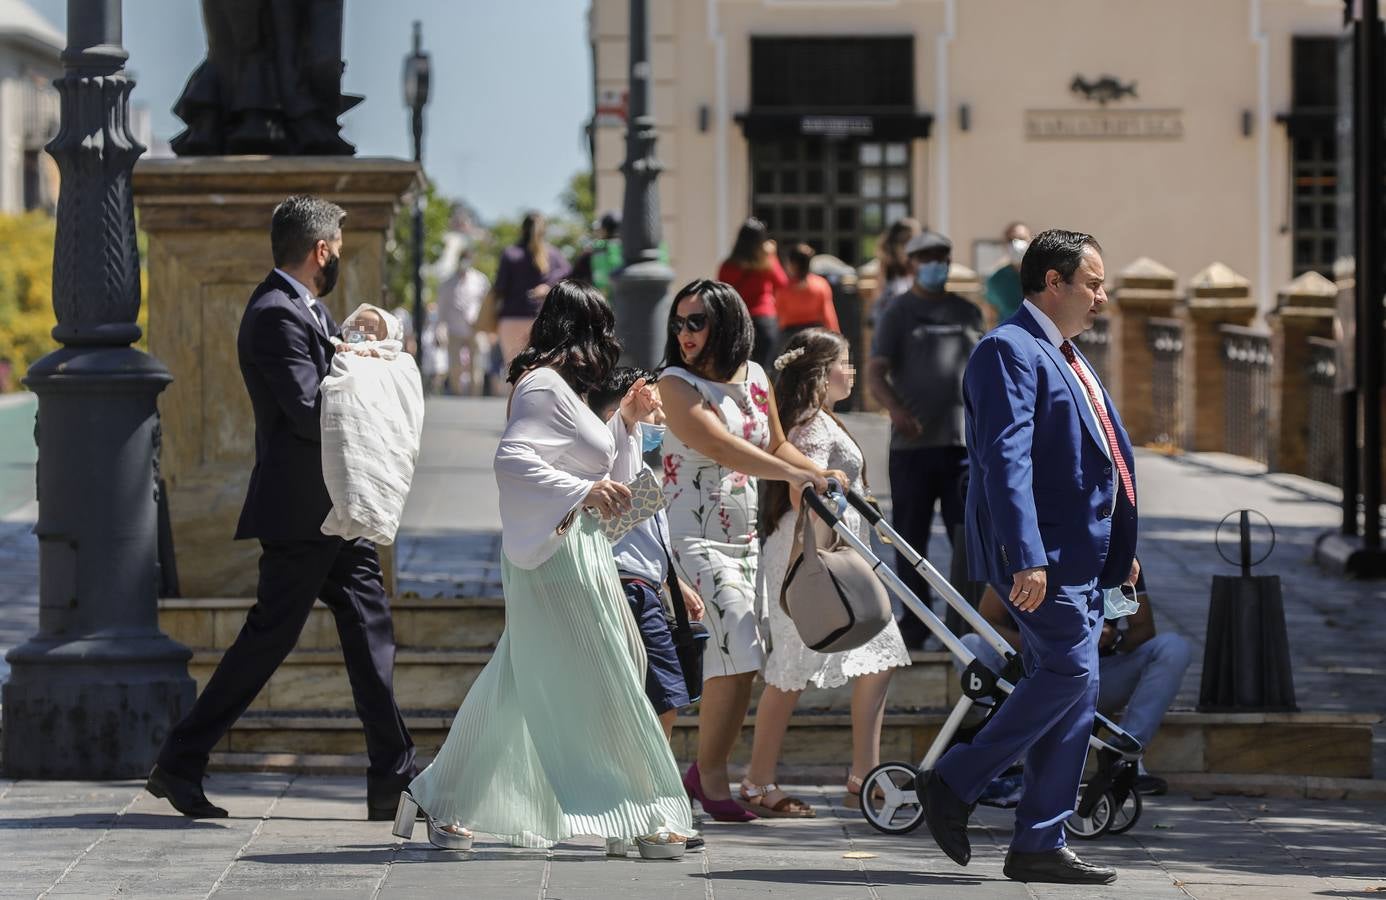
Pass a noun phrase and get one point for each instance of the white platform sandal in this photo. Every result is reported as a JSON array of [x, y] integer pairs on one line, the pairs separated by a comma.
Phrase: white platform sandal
[[441, 835]]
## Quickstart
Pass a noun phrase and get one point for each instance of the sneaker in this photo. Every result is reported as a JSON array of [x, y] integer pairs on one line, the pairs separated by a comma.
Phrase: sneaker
[[1004, 792]]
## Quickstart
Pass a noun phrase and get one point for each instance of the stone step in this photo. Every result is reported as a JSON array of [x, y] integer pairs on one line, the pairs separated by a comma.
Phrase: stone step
[[440, 623], [1322, 745], [439, 679]]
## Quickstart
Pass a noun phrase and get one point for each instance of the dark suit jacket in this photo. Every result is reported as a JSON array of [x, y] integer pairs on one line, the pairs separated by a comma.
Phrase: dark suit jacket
[[283, 358], [1042, 491]]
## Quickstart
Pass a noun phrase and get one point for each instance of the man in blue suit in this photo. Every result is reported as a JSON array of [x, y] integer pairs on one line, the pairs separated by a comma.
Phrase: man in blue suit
[[285, 350], [1051, 523]]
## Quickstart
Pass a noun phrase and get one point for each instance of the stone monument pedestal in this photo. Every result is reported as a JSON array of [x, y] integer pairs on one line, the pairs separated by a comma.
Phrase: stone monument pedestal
[[208, 224]]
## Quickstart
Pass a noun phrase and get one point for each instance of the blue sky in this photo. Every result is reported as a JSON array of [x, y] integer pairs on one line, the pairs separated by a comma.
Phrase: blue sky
[[511, 86]]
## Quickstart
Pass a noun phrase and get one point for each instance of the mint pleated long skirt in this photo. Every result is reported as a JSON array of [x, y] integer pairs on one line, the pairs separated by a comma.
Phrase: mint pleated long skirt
[[556, 739]]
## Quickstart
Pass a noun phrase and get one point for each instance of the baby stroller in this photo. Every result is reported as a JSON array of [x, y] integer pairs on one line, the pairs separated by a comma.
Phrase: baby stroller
[[1107, 802]]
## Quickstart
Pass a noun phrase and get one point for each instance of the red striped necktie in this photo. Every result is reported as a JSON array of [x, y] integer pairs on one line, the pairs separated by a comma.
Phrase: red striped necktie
[[1098, 407]]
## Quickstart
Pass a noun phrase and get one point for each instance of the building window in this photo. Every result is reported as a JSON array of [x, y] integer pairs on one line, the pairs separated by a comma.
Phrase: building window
[[835, 194], [1314, 154]]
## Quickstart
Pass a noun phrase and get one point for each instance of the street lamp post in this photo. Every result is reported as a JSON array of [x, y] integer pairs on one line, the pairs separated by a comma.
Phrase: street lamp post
[[640, 292], [92, 694], [416, 76]]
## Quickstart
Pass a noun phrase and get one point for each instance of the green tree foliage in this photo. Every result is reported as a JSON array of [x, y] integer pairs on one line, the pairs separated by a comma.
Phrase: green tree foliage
[[399, 250], [26, 290]]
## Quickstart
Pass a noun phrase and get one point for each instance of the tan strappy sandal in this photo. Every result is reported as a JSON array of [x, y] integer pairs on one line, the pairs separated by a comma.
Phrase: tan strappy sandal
[[753, 797], [852, 799]]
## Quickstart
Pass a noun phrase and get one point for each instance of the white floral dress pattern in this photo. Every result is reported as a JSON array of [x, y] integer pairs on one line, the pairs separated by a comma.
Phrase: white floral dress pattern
[[712, 522], [790, 665]]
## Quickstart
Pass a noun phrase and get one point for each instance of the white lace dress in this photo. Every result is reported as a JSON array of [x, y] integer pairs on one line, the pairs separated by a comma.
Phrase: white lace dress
[[790, 665]]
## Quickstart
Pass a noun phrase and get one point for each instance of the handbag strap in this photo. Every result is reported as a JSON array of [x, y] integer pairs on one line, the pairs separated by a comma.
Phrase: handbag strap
[[675, 591]]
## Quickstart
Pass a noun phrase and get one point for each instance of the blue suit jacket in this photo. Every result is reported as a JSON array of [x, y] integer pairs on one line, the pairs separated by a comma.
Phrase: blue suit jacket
[[1042, 491], [284, 358]]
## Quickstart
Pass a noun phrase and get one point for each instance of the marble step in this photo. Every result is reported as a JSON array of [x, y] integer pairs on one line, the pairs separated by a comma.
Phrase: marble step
[[439, 679], [1315, 744], [442, 623]]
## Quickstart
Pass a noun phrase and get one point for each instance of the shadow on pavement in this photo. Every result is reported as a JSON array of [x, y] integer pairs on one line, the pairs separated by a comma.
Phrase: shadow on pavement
[[103, 821], [845, 878]]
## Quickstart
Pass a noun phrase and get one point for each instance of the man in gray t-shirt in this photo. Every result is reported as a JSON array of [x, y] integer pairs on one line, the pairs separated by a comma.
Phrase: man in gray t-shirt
[[921, 346]]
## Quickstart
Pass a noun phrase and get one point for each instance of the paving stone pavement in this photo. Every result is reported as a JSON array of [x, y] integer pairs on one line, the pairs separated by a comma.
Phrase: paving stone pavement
[[306, 837]]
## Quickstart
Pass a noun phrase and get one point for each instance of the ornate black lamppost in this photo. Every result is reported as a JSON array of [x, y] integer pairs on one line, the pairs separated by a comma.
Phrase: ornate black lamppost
[[93, 693], [640, 293], [416, 98]]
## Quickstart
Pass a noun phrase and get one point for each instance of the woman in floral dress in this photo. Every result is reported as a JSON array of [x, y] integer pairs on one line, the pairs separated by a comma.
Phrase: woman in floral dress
[[724, 433]]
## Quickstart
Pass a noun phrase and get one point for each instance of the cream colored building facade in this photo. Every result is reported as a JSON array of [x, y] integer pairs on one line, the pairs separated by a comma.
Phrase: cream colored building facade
[[1164, 127]]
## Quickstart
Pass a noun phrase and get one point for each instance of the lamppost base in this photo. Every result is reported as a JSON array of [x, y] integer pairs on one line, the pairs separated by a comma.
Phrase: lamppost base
[[640, 298], [1345, 555], [98, 707]]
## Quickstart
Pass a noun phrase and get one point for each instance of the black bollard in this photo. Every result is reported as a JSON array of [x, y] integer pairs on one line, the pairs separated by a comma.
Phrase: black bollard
[[1246, 657]]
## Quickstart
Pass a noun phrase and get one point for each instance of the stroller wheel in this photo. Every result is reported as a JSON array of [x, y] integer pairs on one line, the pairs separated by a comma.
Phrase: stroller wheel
[[1127, 814], [1093, 826], [888, 799]]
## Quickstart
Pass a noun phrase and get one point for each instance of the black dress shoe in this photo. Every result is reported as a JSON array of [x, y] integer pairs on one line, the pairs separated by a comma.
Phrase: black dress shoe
[[1153, 785], [1061, 866], [382, 796], [184, 794], [946, 815]]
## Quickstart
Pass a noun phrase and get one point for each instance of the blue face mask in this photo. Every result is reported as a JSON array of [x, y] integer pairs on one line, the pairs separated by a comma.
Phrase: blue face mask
[[932, 276], [651, 436]]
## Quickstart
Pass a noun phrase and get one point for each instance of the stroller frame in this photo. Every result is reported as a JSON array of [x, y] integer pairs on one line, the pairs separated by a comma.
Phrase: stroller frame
[[1107, 803]]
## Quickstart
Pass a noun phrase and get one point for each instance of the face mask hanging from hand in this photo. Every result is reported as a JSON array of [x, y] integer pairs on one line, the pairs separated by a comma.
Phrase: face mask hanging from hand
[[932, 276]]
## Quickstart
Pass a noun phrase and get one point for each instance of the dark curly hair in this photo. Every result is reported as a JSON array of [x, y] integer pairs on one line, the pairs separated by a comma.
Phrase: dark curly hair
[[729, 332], [800, 389], [575, 335], [614, 389]]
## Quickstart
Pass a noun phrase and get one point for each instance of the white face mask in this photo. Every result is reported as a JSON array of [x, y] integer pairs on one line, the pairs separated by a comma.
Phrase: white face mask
[[1117, 604], [1018, 248]]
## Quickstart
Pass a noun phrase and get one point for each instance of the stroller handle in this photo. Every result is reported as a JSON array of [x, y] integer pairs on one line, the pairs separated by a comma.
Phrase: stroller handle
[[815, 502]]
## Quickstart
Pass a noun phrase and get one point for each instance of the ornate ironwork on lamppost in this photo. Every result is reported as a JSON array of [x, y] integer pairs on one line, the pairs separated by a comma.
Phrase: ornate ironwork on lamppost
[[640, 291], [93, 693], [416, 77]]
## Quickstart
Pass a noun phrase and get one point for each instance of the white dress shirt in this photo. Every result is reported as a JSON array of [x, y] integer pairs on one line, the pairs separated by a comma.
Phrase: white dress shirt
[[1056, 338]]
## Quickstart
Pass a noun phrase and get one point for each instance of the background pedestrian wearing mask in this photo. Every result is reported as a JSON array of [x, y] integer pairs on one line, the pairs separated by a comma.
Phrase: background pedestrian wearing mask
[[1003, 286], [918, 354]]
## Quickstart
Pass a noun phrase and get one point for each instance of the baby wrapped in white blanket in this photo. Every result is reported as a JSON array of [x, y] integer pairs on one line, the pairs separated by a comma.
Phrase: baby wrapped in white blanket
[[372, 419]]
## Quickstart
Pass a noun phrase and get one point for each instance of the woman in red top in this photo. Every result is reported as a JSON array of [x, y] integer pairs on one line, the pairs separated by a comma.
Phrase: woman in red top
[[807, 301], [754, 270]]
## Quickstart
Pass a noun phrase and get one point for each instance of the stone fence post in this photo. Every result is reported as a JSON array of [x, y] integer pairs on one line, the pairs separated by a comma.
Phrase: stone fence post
[[1304, 309], [1145, 290], [1217, 296]]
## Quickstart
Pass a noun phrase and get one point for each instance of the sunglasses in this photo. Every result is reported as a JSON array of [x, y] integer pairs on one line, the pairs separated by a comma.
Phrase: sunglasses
[[694, 323]]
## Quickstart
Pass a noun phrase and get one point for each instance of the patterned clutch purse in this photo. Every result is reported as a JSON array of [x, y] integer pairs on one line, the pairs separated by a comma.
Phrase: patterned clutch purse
[[647, 499]]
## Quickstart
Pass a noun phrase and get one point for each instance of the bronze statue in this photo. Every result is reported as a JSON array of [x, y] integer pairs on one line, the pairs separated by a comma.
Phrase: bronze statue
[[271, 82]]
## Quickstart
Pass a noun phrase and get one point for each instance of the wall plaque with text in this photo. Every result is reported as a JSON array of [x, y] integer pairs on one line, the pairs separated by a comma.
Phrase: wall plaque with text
[[1103, 124]]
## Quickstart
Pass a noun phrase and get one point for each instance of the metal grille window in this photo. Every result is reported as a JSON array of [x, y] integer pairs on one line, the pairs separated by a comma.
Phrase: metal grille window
[[836, 194], [1094, 344], [1246, 365], [1165, 337], [832, 72], [1325, 413]]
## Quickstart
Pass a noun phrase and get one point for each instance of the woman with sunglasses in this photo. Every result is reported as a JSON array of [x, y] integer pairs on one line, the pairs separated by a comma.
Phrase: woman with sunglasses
[[724, 433]]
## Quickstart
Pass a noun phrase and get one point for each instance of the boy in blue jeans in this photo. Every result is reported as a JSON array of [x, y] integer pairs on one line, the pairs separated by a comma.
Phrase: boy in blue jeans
[[642, 561]]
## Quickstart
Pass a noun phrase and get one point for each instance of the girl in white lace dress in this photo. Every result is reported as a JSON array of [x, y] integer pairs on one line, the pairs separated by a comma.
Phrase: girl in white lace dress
[[812, 375]]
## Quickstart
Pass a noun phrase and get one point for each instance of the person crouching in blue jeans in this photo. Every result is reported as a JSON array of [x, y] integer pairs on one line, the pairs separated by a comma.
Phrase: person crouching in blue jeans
[[642, 561], [1139, 673]]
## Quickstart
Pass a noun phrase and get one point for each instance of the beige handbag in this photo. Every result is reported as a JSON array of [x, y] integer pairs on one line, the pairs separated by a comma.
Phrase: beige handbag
[[830, 593]]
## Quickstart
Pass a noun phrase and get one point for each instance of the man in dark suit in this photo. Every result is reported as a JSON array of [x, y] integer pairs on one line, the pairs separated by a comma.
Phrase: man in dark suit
[[284, 352], [1051, 523]]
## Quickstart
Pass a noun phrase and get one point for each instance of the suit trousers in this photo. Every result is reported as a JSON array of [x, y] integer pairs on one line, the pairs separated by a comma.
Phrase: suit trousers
[[1047, 719], [346, 576]]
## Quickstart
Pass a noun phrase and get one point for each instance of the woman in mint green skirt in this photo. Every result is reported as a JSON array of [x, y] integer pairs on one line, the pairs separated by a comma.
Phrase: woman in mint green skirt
[[555, 739]]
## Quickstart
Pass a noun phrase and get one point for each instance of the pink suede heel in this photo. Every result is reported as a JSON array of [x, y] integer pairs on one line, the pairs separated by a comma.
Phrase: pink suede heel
[[721, 810]]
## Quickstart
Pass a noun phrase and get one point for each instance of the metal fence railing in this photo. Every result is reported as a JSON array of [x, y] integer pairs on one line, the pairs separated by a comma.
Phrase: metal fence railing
[[1246, 363], [1165, 337], [1325, 448], [1094, 344]]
